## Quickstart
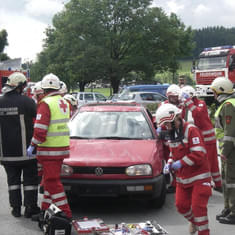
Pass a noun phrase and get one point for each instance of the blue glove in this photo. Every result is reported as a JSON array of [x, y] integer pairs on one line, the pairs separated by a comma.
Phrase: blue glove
[[185, 96], [30, 150], [158, 130], [176, 165], [167, 169]]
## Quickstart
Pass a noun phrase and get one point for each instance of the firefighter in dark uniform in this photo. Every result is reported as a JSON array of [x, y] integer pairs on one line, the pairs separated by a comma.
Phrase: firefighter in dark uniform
[[225, 133], [16, 129]]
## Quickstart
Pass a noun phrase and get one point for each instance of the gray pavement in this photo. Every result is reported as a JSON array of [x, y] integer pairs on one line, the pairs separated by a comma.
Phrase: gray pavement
[[114, 211]]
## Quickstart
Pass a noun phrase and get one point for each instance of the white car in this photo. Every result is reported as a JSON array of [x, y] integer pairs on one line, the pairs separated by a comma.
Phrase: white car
[[142, 97], [89, 97]]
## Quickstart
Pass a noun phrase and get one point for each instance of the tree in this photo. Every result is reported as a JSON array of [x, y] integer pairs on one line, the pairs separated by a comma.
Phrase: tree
[[109, 39], [3, 44]]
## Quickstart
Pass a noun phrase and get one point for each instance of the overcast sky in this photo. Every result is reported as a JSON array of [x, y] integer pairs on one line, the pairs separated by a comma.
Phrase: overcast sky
[[26, 20]]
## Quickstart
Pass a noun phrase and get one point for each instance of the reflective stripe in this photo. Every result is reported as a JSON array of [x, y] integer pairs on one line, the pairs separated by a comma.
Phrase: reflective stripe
[[198, 149], [13, 187], [52, 153], [194, 178], [30, 187], [192, 108], [35, 141], [187, 130], [208, 132], [61, 203], [215, 173], [202, 227], [9, 111], [57, 133], [209, 138], [189, 102], [188, 213], [188, 161], [23, 134], [58, 195], [41, 126], [229, 138], [59, 121], [230, 185], [217, 179], [17, 159], [46, 193], [200, 219], [47, 200]]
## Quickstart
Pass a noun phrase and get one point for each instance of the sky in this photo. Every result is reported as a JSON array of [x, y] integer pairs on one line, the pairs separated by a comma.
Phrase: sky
[[26, 20]]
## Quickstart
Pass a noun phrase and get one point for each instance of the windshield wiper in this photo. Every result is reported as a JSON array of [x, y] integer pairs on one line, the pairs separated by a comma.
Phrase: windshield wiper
[[116, 138], [78, 137]]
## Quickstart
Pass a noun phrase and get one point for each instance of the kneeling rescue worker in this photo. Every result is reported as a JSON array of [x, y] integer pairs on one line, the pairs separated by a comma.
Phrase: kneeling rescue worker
[[51, 137], [189, 162]]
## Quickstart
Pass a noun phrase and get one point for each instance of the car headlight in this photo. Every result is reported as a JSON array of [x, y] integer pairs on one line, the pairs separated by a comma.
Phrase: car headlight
[[66, 170], [143, 169]]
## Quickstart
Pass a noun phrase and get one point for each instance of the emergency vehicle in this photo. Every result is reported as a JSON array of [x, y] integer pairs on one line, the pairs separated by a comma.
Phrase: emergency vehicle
[[213, 62]]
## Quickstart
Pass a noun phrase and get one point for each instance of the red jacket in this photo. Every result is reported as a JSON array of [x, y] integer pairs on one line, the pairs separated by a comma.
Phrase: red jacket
[[201, 118], [192, 154], [40, 132]]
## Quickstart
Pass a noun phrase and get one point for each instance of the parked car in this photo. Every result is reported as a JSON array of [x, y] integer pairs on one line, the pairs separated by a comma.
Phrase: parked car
[[160, 88], [89, 97], [142, 97], [114, 151]]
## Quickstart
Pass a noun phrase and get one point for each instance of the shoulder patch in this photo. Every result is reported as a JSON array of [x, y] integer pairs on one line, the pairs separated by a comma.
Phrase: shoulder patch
[[201, 105], [228, 119], [196, 140]]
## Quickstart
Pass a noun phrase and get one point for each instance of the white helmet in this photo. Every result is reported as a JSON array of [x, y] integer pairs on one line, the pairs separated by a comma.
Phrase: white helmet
[[50, 81], [13, 81], [63, 88], [189, 90], [37, 88], [222, 85], [173, 90], [70, 98], [166, 113]]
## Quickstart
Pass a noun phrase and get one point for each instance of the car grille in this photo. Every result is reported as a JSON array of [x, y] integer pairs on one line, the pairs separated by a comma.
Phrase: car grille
[[102, 170]]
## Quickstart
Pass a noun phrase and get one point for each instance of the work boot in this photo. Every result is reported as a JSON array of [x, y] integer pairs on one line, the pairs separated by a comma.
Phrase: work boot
[[223, 213], [38, 217], [229, 219], [16, 211], [192, 229], [31, 210]]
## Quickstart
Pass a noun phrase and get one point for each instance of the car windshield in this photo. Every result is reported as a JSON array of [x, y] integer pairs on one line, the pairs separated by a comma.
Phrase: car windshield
[[212, 62], [110, 125], [127, 96]]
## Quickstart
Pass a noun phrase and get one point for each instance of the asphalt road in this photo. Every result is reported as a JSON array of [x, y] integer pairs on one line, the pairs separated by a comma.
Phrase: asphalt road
[[113, 211]]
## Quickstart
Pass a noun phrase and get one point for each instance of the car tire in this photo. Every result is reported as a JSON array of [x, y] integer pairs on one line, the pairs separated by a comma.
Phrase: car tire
[[159, 201]]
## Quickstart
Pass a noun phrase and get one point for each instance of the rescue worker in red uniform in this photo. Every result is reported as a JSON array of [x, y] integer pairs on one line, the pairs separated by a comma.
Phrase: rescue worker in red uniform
[[202, 120], [172, 93], [73, 103], [51, 137], [38, 94], [189, 162], [16, 129]]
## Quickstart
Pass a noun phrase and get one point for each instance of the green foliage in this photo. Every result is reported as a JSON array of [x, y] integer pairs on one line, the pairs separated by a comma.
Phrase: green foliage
[[110, 39], [3, 44], [211, 37]]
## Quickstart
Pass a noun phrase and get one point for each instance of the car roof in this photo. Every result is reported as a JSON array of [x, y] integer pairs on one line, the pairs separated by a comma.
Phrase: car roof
[[146, 92], [116, 107]]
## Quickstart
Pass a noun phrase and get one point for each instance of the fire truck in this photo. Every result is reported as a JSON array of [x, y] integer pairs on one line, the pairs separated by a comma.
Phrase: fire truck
[[213, 62]]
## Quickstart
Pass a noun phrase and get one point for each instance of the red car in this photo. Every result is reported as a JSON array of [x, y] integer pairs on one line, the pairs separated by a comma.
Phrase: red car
[[114, 152]]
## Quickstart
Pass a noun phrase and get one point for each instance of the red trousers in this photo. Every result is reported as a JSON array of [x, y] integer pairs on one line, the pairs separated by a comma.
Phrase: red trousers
[[212, 155], [192, 204], [53, 188]]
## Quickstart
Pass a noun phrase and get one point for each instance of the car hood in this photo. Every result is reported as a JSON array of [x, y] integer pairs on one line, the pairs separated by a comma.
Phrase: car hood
[[111, 152]]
